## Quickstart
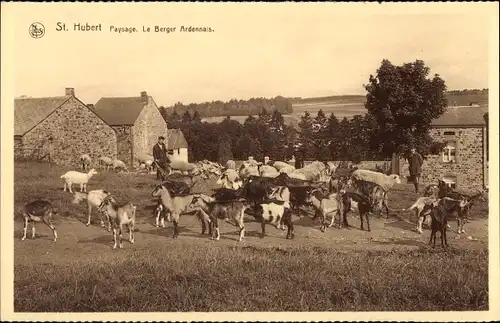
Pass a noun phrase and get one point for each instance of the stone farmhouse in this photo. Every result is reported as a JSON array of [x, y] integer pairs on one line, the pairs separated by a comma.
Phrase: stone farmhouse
[[463, 163], [59, 129], [177, 145], [138, 124]]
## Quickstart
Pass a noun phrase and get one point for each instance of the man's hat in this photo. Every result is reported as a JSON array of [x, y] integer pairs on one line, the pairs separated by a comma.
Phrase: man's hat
[[161, 138]]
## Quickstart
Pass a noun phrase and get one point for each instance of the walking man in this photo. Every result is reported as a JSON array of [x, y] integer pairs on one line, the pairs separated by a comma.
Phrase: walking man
[[415, 167], [161, 157]]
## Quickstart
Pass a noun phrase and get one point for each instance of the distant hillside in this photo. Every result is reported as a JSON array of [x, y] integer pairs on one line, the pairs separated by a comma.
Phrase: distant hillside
[[233, 107], [350, 105]]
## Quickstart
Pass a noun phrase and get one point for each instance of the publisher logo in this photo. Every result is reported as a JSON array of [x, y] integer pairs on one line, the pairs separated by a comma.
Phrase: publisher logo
[[37, 30]]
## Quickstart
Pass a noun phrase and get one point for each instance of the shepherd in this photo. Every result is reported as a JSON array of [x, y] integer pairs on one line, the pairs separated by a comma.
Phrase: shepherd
[[415, 167], [160, 156]]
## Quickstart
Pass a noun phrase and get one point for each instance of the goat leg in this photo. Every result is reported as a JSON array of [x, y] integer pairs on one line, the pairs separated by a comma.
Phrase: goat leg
[[263, 227], [25, 228], [288, 221], [120, 237], [115, 236], [332, 222], [175, 218], [445, 238], [157, 218], [33, 230], [131, 237], [89, 211], [51, 226]]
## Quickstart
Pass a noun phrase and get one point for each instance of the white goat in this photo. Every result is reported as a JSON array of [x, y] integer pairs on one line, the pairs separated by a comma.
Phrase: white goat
[[279, 165], [330, 205], [268, 171], [94, 199], [423, 206], [386, 181], [120, 215], [73, 177], [248, 169], [174, 205], [105, 162], [85, 160], [230, 179], [118, 164], [275, 213]]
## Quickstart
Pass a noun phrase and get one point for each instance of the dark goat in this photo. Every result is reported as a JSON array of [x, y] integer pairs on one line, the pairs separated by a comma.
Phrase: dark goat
[[364, 206], [227, 194], [177, 188], [231, 211], [431, 190], [38, 211], [439, 214], [375, 193], [176, 177], [462, 212], [257, 189]]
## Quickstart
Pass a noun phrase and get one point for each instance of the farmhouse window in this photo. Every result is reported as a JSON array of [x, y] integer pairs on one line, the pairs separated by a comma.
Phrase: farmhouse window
[[178, 151], [451, 181], [449, 133], [449, 152], [170, 151]]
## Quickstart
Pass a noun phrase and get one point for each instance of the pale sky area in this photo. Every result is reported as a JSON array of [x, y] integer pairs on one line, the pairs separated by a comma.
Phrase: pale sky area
[[257, 50]]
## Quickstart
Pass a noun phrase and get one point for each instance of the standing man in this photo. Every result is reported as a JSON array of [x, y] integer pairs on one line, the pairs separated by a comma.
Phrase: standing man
[[161, 157], [415, 167]]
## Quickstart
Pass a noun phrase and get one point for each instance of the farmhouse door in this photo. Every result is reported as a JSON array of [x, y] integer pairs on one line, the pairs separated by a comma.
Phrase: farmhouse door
[[396, 165]]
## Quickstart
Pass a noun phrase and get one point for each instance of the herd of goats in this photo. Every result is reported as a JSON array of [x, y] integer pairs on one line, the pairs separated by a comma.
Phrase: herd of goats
[[271, 192]]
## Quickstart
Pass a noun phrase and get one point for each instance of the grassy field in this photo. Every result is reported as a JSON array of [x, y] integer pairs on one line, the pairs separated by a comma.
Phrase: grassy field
[[348, 106], [390, 268]]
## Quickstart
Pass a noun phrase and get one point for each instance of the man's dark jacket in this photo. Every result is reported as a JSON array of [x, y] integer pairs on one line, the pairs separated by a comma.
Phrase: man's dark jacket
[[416, 162], [160, 154]]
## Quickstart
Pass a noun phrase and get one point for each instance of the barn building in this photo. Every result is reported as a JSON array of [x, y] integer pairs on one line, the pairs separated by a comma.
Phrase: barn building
[[177, 145], [59, 129], [138, 124]]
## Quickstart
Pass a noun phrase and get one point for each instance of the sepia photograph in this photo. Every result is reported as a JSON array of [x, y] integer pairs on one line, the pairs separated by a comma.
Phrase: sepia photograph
[[249, 161]]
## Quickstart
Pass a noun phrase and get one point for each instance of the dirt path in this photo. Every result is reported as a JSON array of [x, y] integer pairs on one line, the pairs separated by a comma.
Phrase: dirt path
[[80, 243]]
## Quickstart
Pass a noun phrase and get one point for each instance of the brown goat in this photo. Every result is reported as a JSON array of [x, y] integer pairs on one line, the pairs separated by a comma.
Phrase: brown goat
[[441, 210], [38, 211]]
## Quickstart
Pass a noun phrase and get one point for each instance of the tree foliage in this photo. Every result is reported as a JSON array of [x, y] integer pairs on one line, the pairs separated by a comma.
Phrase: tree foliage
[[403, 101]]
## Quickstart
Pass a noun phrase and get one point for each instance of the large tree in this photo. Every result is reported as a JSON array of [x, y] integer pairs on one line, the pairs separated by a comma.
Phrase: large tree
[[403, 101]]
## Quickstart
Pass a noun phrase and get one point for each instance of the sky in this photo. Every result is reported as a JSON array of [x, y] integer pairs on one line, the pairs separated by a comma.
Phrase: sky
[[256, 50]]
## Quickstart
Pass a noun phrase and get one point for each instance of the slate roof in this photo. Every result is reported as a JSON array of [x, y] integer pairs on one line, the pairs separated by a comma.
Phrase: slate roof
[[462, 116], [176, 139], [119, 111], [29, 112]]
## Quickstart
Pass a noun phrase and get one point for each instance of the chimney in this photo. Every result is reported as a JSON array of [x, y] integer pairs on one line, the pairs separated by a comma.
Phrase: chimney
[[91, 106], [144, 97], [70, 91]]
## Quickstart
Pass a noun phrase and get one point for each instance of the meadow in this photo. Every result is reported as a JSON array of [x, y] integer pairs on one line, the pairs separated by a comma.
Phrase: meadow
[[390, 268]]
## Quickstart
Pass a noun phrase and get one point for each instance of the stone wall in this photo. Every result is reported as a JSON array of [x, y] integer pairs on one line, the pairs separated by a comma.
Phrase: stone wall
[[73, 129], [147, 128], [469, 166], [124, 140]]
